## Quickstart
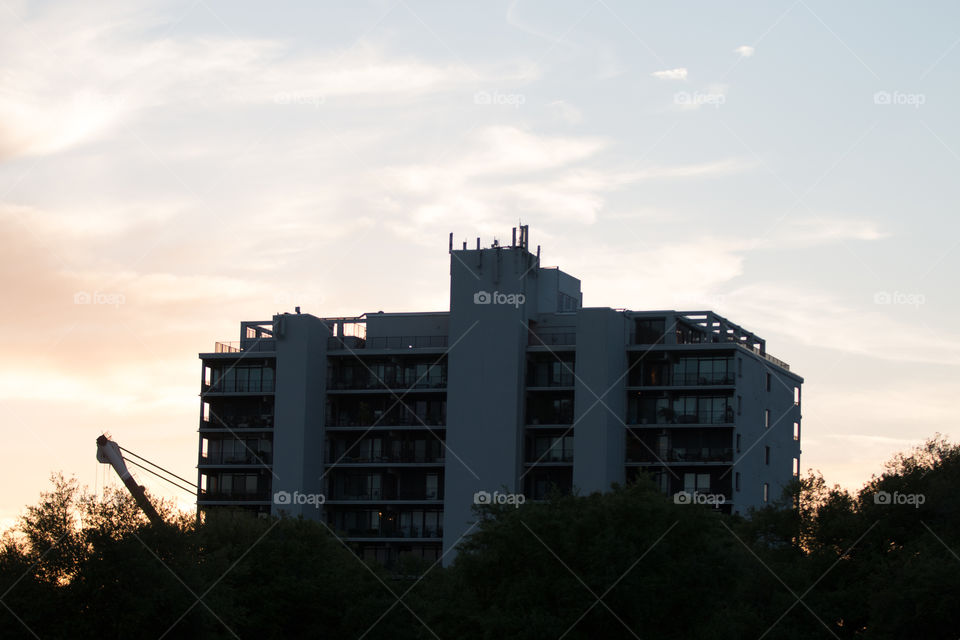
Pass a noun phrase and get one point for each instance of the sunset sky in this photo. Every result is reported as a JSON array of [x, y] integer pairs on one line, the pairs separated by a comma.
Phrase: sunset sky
[[188, 165]]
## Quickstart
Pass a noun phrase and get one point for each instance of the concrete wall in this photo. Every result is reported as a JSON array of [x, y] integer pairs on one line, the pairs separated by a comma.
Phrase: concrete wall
[[600, 400], [486, 370], [407, 324], [299, 414], [755, 437]]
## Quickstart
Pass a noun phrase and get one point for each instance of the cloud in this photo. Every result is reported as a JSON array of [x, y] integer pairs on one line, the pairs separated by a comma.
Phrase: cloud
[[744, 51], [99, 78], [565, 112], [671, 74], [822, 229]]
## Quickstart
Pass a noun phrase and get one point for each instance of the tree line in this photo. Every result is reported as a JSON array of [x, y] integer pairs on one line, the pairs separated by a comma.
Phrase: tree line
[[822, 562]]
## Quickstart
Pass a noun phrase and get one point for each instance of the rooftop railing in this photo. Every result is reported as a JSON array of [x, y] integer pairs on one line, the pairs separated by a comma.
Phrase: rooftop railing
[[253, 344]]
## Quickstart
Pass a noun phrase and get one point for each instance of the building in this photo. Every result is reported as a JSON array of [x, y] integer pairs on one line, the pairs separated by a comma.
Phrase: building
[[390, 426]]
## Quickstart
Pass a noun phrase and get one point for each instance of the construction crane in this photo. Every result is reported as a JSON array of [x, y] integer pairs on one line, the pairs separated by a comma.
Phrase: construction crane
[[109, 452]]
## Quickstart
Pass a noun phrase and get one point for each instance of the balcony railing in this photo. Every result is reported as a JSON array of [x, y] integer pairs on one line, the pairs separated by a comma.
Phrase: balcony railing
[[380, 494], [397, 532], [240, 386], [683, 379], [398, 419], [233, 496], [700, 417], [551, 339], [373, 384], [403, 459], [252, 344], [238, 422], [679, 454], [250, 457], [386, 342], [560, 417]]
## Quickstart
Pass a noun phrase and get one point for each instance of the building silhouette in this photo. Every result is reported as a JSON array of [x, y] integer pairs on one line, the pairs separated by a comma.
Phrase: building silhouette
[[390, 427]]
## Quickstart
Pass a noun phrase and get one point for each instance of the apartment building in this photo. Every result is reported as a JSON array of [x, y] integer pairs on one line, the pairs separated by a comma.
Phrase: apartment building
[[389, 427]]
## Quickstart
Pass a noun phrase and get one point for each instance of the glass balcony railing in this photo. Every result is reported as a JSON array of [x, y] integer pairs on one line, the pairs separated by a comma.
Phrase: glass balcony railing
[[551, 339], [681, 379], [250, 457], [677, 417], [396, 532], [638, 453], [233, 496], [386, 342], [229, 423], [234, 385], [359, 458]]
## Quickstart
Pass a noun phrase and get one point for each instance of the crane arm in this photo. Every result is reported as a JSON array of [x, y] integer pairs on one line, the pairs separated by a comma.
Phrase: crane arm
[[108, 452]]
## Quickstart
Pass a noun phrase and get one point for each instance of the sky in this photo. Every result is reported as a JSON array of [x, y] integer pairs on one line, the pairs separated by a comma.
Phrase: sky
[[172, 168]]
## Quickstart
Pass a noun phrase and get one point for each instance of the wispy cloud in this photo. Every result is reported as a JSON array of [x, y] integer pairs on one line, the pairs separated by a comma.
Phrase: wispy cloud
[[744, 51], [679, 73]]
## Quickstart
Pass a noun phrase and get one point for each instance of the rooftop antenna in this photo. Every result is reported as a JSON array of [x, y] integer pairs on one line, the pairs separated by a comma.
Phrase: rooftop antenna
[[451, 242]]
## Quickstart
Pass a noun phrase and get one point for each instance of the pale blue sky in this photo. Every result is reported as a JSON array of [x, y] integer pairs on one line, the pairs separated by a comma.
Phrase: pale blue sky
[[785, 163]]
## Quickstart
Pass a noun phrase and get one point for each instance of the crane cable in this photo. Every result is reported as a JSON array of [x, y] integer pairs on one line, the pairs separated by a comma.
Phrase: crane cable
[[190, 491], [167, 471]]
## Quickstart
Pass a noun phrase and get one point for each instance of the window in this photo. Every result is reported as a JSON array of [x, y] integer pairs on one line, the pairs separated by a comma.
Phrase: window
[[796, 396], [432, 486], [696, 482], [769, 380], [766, 492], [650, 331], [766, 418], [796, 431], [206, 412], [739, 367], [739, 405], [766, 456], [736, 480], [796, 467], [738, 443]]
